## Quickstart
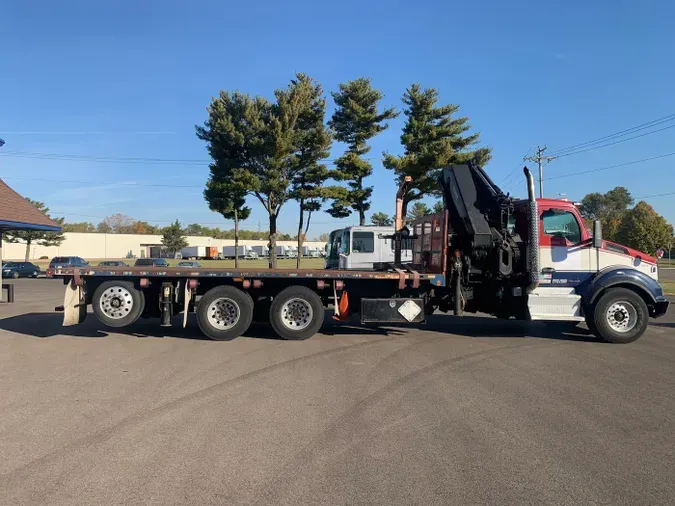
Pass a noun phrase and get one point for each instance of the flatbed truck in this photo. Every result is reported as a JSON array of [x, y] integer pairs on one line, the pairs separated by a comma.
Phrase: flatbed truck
[[527, 259]]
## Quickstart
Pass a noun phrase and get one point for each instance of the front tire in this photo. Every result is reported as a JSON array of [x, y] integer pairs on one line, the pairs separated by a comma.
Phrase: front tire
[[296, 313], [620, 316], [15, 275], [224, 313], [35, 274], [117, 303]]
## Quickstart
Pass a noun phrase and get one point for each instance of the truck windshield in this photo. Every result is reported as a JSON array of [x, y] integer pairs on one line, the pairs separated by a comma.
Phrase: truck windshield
[[345, 242], [333, 250]]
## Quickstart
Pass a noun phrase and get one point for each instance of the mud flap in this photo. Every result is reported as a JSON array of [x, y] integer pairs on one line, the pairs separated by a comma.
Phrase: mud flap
[[187, 295], [74, 305]]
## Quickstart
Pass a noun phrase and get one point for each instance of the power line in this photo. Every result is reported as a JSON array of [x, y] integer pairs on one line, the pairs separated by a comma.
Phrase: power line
[[62, 214], [621, 133], [599, 169], [615, 142], [117, 159], [540, 159]]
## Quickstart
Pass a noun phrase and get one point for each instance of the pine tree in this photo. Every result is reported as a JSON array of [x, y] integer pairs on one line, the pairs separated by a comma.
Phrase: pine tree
[[228, 198], [313, 140], [431, 139], [418, 210], [381, 220], [173, 238], [355, 121]]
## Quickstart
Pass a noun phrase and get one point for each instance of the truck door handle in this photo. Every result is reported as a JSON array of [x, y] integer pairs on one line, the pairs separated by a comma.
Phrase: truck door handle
[[548, 270]]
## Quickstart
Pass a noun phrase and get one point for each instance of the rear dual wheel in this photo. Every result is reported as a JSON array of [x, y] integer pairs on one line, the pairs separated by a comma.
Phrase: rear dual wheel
[[296, 313], [224, 313]]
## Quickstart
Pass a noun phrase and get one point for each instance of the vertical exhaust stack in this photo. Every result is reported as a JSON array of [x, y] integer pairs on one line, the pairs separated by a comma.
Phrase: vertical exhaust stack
[[533, 246]]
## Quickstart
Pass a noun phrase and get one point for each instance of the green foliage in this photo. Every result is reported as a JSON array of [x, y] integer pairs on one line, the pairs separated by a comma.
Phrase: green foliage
[[381, 220], [173, 238], [256, 143], [36, 236], [609, 208], [644, 229], [355, 121], [84, 226], [313, 140], [418, 210], [432, 140], [438, 207]]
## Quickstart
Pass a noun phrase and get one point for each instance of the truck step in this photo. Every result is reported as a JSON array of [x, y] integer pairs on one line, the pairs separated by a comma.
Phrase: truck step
[[555, 304]]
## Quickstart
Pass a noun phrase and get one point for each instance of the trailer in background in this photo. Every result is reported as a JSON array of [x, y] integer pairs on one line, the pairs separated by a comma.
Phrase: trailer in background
[[200, 252], [311, 252], [240, 251], [282, 251], [261, 251]]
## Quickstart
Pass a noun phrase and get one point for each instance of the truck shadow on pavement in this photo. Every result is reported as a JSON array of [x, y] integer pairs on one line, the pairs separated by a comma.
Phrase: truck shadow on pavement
[[46, 325]]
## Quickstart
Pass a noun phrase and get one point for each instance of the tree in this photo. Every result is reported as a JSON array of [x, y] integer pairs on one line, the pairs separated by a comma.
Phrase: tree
[[381, 220], [143, 227], [173, 238], [644, 229], [84, 226], [36, 236], [609, 208], [117, 223], [355, 121], [418, 210], [195, 229], [432, 139], [438, 207], [322, 237], [313, 140], [228, 198], [259, 140]]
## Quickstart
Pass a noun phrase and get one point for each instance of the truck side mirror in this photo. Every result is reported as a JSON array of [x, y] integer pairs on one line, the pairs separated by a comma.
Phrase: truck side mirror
[[597, 234]]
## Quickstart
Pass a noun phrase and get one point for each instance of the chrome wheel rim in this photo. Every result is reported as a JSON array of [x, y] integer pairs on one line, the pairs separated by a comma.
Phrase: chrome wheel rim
[[223, 313], [116, 302], [296, 314], [622, 316]]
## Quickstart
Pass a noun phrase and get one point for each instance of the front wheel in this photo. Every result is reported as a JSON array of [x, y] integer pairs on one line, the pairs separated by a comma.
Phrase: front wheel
[[35, 274], [15, 275], [296, 313], [224, 313], [620, 316]]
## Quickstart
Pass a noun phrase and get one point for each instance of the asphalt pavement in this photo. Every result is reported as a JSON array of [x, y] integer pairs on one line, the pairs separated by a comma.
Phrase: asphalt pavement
[[461, 411]]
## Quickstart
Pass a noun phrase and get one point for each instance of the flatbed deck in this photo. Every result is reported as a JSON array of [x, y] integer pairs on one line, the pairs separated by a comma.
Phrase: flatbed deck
[[210, 272]]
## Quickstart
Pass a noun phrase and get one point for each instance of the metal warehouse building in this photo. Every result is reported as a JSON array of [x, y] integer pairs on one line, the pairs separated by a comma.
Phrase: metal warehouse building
[[119, 245]]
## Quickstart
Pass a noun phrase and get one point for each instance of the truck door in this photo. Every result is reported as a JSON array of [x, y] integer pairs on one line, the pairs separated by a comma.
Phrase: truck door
[[363, 253], [565, 248]]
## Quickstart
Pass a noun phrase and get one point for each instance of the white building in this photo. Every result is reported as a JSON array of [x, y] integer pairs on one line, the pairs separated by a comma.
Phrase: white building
[[97, 246]]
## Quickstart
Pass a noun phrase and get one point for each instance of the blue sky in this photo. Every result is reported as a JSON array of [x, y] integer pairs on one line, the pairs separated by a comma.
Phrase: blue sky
[[131, 79]]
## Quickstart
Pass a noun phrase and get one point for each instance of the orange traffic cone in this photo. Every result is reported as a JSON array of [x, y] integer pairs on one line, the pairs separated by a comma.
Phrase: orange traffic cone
[[343, 308]]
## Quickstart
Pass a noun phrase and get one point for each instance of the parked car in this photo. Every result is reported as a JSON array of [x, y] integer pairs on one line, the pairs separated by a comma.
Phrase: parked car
[[151, 262], [20, 270], [67, 262], [188, 264], [113, 263]]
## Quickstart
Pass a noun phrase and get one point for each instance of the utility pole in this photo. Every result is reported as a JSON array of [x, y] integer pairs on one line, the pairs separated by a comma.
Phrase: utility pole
[[540, 159]]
